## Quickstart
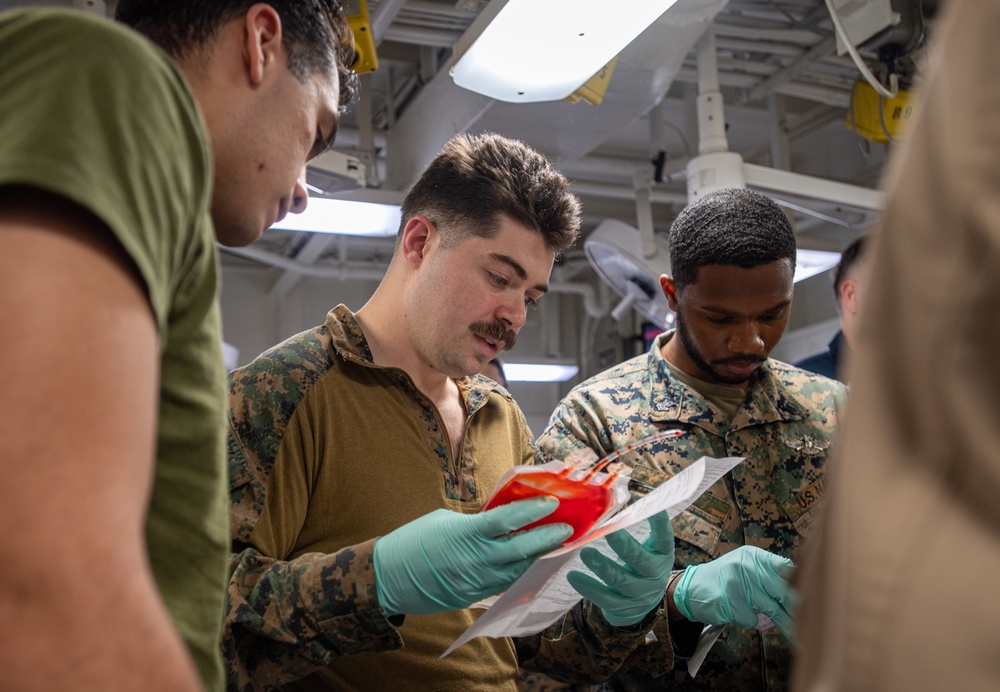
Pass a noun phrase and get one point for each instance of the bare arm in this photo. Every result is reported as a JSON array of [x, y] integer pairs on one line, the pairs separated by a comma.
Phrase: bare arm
[[78, 405]]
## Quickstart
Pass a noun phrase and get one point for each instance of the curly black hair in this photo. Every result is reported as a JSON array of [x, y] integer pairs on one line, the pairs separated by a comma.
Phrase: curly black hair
[[732, 226]]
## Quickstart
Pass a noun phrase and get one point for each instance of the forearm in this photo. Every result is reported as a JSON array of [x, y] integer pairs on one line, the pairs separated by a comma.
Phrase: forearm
[[285, 620]]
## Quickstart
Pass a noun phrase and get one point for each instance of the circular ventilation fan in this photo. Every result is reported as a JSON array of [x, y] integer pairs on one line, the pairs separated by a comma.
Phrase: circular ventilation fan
[[614, 249]]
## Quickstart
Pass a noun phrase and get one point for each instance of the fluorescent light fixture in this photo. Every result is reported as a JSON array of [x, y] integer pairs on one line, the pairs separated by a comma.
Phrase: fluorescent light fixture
[[539, 372], [812, 262], [343, 216], [543, 50]]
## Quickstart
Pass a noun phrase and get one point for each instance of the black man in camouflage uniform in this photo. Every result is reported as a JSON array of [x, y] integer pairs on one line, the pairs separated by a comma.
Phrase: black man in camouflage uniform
[[732, 261]]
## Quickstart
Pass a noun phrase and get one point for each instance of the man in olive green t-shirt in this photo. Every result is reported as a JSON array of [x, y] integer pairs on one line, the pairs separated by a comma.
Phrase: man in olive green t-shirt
[[120, 167]]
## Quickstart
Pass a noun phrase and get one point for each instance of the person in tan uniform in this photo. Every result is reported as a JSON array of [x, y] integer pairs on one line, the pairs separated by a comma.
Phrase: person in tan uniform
[[898, 592], [361, 452]]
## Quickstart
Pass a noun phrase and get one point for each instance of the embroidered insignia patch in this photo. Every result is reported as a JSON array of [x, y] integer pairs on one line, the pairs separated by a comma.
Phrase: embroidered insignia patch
[[809, 446]]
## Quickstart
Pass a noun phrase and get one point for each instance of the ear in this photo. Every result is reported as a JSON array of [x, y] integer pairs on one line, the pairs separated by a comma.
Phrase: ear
[[261, 40], [850, 298], [419, 236], [669, 289]]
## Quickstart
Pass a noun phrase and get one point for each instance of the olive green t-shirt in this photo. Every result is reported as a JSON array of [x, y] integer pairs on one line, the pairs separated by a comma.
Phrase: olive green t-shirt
[[93, 112]]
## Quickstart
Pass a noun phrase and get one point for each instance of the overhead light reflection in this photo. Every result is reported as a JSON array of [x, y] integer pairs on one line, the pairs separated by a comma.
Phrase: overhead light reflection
[[347, 217], [539, 372]]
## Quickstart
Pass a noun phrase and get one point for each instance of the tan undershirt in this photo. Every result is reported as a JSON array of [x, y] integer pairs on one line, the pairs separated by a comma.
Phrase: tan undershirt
[[726, 398]]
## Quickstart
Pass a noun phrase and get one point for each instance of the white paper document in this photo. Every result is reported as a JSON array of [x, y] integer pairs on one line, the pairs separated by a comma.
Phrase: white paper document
[[543, 595]]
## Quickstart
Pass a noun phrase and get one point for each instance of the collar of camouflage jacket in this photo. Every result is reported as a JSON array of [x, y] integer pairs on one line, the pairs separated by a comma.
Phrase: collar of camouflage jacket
[[670, 400], [350, 344]]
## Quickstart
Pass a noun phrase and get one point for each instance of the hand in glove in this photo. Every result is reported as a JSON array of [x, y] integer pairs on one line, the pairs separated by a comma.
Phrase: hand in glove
[[629, 591], [447, 561], [735, 587]]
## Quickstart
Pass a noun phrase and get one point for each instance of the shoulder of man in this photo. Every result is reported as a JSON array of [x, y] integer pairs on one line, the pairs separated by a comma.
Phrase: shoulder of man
[[624, 375], [579, 420], [263, 396], [807, 388]]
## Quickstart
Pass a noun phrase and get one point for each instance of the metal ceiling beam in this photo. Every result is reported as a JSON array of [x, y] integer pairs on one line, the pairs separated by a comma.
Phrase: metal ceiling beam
[[807, 92], [436, 114], [310, 252], [382, 16], [811, 55], [422, 36]]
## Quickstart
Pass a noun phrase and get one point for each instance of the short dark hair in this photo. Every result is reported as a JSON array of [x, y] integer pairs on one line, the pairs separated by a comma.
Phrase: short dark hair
[[731, 226], [849, 258], [315, 33], [476, 180]]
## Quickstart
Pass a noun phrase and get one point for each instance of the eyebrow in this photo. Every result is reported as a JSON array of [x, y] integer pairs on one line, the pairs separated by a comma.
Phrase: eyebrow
[[723, 311], [328, 142], [518, 269]]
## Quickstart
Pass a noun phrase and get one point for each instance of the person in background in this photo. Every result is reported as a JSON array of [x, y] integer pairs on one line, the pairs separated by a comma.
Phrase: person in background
[[361, 452], [121, 165], [898, 584], [848, 285], [732, 254], [494, 370]]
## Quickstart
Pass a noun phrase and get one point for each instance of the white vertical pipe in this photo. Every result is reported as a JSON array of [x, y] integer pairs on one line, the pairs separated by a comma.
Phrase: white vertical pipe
[[711, 114]]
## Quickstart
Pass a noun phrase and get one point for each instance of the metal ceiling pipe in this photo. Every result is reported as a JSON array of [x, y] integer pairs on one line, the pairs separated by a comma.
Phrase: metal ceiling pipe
[[422, 37], [382, 16], [803, 37], [609, 190], [318, 271], [591, 305], [808, 57], [808, 92]]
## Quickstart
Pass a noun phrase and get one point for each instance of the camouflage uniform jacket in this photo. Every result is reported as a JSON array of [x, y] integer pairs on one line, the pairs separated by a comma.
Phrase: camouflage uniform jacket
[[783, 428], [290, 615]]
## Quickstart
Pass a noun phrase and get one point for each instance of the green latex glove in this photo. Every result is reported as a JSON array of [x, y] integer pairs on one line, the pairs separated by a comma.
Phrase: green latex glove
[[737, 586], [447, 561], [630, 590]]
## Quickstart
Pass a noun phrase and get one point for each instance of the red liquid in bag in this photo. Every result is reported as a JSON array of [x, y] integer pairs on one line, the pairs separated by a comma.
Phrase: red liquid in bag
[[581, 503]]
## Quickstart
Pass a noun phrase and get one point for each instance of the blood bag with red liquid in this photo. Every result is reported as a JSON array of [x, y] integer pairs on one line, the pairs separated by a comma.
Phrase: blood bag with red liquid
[[589, 490], [585, 496]]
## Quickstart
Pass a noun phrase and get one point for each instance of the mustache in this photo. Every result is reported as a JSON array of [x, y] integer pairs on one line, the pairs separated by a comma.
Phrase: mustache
[[495, 331]]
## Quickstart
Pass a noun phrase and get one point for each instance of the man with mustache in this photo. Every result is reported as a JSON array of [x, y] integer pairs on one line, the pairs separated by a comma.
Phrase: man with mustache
[[732, 260], [361, 451]]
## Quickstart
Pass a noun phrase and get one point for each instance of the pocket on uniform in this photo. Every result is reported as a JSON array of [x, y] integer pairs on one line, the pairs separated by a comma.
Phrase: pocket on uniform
[[694, 525], [699, 532]]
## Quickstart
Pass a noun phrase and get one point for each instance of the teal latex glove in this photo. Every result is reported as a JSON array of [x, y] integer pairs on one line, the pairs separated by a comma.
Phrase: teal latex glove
[[737, 586], [447, 561], [629, 591]]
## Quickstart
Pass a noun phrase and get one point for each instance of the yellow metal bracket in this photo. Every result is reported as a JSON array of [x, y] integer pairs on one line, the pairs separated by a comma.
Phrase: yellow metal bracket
[[356, 13], [876, 118], [592, 91]]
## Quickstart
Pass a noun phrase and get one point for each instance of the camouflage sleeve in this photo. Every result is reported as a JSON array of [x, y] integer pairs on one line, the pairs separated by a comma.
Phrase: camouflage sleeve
[[276, 628], [286, 619], [573, 425], [584, 648]]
